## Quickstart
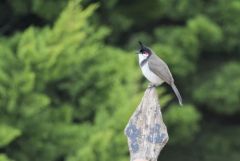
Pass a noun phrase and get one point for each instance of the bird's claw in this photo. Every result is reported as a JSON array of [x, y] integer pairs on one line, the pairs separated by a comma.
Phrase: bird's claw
[[151, 86]]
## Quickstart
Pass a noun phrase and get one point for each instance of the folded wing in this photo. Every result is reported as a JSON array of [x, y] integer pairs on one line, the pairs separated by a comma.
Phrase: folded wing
[[160, 68]]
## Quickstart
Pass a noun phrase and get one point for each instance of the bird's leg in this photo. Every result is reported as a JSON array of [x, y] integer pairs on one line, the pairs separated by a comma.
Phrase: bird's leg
[[151, 85]]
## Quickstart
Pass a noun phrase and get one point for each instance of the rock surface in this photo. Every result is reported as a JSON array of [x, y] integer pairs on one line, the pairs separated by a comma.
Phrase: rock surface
[[146, 131]]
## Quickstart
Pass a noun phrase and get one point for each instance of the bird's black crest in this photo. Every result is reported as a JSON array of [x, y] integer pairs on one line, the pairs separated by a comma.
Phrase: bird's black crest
[[143, 48], [141, 44]]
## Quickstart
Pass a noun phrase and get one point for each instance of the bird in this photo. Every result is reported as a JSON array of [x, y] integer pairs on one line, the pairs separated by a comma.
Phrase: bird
[[155, 69]]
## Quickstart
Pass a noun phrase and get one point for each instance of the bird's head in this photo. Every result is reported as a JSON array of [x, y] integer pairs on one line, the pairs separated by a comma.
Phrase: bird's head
[[146, 51]]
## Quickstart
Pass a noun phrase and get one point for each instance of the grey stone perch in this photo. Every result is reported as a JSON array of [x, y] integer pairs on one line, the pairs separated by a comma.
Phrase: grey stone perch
[[146, 131]]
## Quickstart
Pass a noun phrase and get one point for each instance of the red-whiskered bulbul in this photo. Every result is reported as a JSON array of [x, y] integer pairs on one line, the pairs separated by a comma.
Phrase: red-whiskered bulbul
[[155, 69]]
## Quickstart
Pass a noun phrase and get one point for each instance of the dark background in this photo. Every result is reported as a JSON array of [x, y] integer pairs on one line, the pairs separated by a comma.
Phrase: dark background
[[69, 77]]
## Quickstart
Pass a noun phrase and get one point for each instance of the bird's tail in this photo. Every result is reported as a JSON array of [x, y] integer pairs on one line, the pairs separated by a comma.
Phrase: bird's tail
[[177, 93]]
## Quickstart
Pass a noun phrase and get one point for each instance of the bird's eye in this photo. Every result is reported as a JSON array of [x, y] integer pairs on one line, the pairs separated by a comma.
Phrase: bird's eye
[[145, 52]]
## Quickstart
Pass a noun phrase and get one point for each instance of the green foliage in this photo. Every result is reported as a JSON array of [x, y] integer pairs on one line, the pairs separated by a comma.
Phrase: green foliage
[[207, 32], [67, 90], [182, 123], [218, 144], [62, 80], [164, 98], [8, 134], [225, 13], [4, 158], [223, 90], [38, 7]]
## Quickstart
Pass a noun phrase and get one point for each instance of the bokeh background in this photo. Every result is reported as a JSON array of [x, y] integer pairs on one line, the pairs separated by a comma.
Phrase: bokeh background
[[69, 77]]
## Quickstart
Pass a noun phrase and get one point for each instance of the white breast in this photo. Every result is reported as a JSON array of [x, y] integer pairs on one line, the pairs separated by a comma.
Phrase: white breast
[[153, 78]]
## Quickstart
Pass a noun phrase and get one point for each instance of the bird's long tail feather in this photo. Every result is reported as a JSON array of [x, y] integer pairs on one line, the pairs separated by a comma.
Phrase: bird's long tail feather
[[177, 93]]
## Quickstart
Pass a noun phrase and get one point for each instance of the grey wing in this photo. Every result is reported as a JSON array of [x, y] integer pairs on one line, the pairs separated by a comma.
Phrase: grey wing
[[160, 68]]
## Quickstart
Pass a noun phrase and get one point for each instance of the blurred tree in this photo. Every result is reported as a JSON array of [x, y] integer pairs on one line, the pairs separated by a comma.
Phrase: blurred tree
[[63, 91], [18, 15], [182, 123], [4, 158], [223, 96], [65, 86]]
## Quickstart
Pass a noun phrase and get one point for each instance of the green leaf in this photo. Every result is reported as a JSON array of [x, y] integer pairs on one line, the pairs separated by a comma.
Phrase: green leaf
[[4, 157], [8, 134], [182, 123]]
